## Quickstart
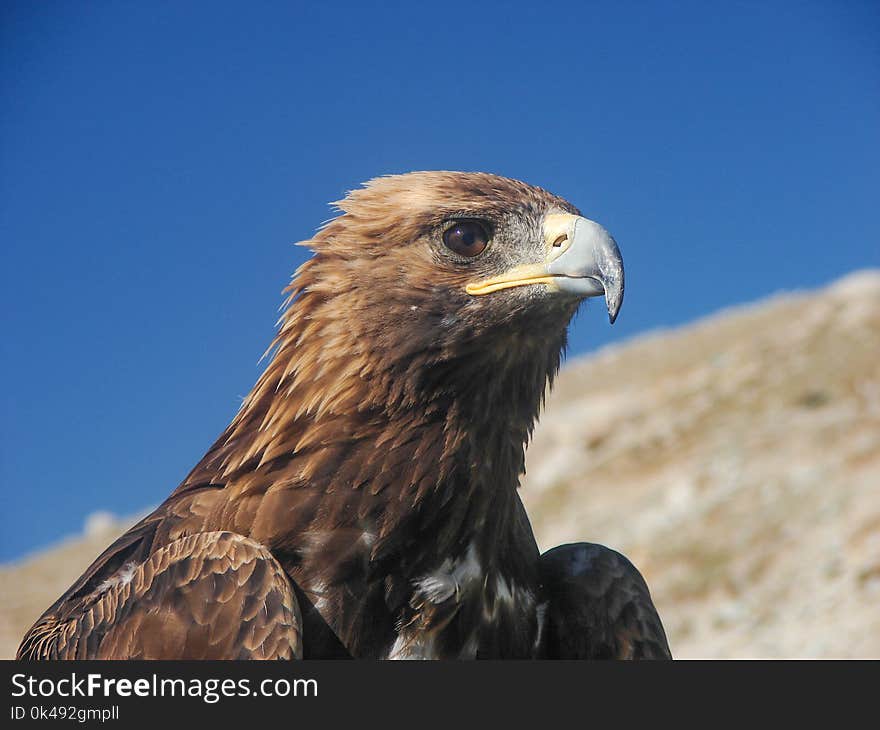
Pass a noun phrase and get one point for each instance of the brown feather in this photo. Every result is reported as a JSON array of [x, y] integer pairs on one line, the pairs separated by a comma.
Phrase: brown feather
[[214, 595]]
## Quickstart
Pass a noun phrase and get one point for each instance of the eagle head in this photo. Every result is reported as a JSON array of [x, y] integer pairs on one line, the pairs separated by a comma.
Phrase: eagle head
[[438, 270]]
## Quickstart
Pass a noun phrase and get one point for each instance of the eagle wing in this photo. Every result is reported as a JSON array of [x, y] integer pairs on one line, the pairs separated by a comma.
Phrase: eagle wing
[[598, 606], [210, 595]]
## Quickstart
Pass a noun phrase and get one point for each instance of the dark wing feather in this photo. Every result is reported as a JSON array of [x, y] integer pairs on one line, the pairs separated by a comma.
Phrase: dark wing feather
[[599, 606], [211, 595]]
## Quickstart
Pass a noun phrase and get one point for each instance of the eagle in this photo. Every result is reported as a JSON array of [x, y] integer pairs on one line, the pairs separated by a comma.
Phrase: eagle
[[363, 502]]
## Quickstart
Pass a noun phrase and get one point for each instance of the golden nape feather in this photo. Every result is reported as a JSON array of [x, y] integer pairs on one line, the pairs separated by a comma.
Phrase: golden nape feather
[[363, 502]]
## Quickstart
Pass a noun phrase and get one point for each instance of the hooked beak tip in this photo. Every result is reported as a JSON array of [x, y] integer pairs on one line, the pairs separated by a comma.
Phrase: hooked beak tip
[[614, 294], [613, 309]]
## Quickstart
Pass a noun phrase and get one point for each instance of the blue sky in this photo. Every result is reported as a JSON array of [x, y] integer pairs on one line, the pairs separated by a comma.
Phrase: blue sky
[[158, 159]]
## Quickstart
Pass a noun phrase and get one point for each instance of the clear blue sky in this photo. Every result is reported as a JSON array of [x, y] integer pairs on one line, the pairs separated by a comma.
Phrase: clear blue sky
[[158, 159]]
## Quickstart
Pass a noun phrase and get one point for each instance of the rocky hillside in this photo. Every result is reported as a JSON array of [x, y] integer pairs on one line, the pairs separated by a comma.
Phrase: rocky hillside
[[736, 461]]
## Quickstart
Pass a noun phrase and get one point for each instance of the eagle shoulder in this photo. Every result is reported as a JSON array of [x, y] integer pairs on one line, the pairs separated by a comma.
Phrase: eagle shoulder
[[210, 595]]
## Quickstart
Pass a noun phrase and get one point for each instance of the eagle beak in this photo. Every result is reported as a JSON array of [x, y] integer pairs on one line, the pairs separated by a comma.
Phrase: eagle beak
[[581, 259]]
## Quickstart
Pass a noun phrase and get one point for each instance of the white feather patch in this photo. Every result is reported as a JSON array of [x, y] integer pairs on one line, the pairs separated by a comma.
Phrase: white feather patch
[[541, 616], [451, 577], [120, 578], [407, 646], [318, 594]]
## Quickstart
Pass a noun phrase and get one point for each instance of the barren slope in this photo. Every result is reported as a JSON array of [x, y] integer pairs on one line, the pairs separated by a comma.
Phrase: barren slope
[[737, 463]]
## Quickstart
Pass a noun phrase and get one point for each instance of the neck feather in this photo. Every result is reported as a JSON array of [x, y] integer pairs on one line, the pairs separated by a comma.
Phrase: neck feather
[[383, 426]]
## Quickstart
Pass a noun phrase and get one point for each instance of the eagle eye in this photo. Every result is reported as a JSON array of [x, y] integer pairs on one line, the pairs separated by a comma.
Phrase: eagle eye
[[466, 238]]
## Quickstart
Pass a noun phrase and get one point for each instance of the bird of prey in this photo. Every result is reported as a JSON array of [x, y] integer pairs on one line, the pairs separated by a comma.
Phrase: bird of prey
[[364, 500]]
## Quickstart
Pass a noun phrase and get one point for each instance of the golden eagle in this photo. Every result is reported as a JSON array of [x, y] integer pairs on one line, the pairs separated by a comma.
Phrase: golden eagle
[[363, 502]]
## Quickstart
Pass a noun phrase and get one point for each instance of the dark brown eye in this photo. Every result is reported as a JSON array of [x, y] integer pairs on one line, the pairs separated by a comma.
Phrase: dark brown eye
[[466, 238]]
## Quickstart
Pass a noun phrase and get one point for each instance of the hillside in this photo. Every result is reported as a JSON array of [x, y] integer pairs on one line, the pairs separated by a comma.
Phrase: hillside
[[736, 461]]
